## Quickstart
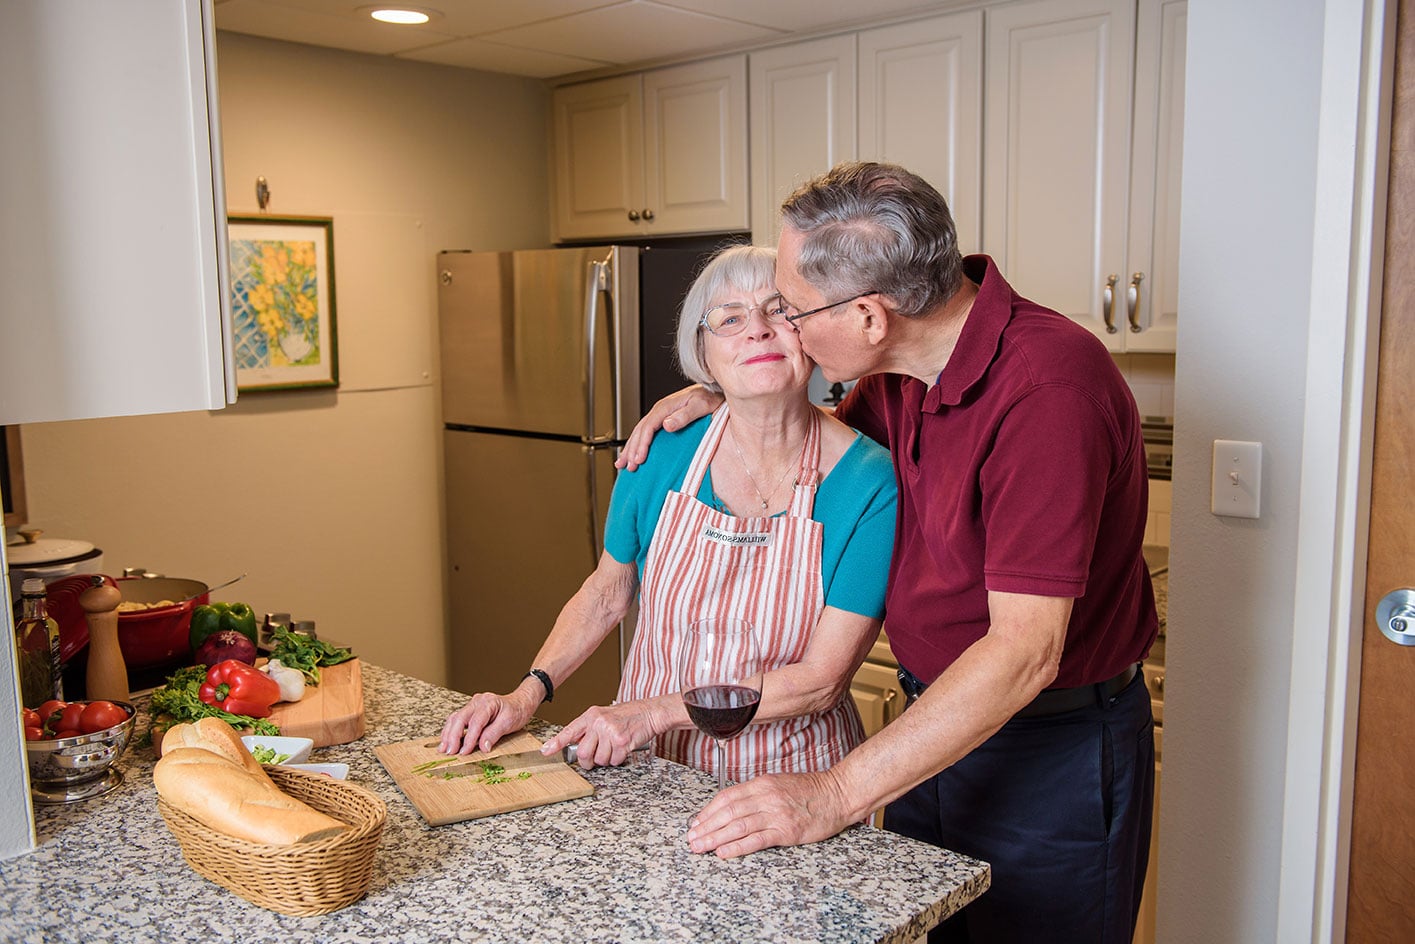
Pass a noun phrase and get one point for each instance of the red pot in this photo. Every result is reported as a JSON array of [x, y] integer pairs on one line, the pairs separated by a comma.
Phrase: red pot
[[150, 638]]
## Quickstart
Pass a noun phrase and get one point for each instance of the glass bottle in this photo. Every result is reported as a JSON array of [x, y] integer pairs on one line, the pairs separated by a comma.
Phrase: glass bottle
[[37, 647]]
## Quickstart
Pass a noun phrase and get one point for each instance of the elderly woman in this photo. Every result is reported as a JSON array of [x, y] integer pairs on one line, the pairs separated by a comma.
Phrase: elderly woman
[[818, 500]]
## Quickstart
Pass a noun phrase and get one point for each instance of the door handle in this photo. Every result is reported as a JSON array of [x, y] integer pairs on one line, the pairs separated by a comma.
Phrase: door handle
[[1132, 301], [1395, 617], [1108, 304]]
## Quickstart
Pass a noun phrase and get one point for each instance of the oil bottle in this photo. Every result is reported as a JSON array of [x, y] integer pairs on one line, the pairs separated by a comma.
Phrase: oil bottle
[[37, 646]]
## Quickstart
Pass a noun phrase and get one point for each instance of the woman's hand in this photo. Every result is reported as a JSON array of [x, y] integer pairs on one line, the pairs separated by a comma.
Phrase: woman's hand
[[483, 721], [607, 735], [672, 413]]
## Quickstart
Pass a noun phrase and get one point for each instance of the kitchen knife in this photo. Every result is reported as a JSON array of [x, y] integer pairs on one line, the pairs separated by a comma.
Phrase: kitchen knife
[[515, 762]]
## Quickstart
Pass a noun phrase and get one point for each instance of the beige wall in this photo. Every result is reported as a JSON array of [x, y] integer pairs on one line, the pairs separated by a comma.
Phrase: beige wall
[[330, 500]]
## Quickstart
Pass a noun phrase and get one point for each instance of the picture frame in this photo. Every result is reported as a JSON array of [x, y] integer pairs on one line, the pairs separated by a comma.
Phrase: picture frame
[[282, 302]]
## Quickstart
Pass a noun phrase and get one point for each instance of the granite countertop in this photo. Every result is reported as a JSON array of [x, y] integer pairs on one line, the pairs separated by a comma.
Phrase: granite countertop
[[610, 867]]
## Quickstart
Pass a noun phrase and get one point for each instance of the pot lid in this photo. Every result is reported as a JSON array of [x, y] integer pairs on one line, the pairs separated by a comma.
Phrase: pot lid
[[46, 551]]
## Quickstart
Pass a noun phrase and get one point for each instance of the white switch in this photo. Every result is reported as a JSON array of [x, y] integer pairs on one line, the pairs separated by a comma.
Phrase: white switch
[[1238, 478]]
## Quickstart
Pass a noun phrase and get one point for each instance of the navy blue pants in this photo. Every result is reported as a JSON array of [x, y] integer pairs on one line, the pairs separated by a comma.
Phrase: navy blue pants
[[1060, 807]]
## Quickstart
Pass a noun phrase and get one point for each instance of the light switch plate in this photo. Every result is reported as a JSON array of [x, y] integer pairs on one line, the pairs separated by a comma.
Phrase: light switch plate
[[1238, 478]]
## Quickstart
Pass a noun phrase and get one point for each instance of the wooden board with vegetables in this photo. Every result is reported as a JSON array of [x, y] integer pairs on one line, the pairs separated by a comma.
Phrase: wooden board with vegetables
[[419, 768], [330, 713]]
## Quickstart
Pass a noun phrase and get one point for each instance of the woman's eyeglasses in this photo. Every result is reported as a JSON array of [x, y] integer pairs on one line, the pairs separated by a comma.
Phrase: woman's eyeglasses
[[731, 318]]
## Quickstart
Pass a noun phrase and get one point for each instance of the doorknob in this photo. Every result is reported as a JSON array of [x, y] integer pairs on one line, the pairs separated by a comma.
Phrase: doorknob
[[1395, 615]]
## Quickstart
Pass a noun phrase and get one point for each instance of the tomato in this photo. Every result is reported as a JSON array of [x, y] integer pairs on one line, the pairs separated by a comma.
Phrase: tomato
[[99, 715], [69, 717], [33, 733], [32, 719], [47, 710], [67, 733]]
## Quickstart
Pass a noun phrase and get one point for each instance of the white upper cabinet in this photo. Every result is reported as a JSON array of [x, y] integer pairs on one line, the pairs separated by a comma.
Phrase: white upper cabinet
[[921, 106], [803, 122], [1081, 203], [653, 154], [909, 94], [113, 238]]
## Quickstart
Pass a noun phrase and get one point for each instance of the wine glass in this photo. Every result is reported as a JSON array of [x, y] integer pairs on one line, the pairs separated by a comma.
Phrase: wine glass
[[720, 676]]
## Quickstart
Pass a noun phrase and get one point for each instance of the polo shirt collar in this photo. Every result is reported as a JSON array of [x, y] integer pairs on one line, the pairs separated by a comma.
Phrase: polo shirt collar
[[981, 335]]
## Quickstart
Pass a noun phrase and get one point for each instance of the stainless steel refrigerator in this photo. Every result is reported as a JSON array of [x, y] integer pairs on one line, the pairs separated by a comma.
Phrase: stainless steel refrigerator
[[548, 359]]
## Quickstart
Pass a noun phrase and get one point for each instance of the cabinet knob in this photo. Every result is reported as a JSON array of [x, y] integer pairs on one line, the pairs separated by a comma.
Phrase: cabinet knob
[[633, 216], [1108, 304], [648, 214]]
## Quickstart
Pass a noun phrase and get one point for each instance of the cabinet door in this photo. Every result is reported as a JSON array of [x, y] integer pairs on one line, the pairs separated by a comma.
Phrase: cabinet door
[[695, 135], [921, 105], [1057, 143], [599, 158], [802, 121], [113, 232], [877, 695], [1152, 288]]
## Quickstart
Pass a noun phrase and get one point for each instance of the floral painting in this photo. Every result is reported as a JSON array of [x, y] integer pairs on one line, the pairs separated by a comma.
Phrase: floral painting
[[282, 302]]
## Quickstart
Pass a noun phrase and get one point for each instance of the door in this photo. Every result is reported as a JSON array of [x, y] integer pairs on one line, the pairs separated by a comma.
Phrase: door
[[921, 106], [803, 122], [1381, 889], [525, 526], [695, 136], [516, 349], [1056, 149], [599, 158]]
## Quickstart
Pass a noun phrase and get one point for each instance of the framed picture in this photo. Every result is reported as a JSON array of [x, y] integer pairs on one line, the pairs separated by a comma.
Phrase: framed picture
[[282, 302]]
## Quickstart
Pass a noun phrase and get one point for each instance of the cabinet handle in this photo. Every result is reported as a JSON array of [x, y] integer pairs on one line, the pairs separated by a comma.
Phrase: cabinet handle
[[1132, 301], [633, 216], [648, 214], [1108, 304]]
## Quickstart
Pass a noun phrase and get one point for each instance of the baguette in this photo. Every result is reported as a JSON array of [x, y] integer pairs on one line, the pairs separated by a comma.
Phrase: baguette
[[207, 773]]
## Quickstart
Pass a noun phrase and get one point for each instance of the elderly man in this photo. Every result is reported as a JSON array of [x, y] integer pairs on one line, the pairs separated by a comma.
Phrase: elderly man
[[1019, 603]]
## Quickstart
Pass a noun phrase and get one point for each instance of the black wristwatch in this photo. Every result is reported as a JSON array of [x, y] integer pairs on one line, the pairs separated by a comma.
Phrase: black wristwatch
[[544, 679]]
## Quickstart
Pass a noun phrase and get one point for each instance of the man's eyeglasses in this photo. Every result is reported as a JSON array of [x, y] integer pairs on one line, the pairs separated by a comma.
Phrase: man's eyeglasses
[[731, 318], [790, 313]]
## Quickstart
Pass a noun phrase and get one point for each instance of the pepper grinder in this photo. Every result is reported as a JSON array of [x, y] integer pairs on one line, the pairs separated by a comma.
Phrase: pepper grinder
[[107, 676]]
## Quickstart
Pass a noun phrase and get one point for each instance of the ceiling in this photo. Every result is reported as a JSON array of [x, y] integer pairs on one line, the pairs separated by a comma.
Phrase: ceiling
[[550, 38]]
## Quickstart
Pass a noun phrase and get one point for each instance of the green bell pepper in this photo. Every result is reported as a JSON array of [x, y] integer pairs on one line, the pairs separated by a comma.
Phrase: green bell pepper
[[211, 618]]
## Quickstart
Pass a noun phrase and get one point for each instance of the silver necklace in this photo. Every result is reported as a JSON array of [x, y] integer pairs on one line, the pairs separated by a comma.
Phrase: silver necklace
[[765, 499]]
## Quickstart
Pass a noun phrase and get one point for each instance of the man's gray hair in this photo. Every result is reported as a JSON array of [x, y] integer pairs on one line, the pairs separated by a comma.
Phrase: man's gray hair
[[750, 269], [876, 227]]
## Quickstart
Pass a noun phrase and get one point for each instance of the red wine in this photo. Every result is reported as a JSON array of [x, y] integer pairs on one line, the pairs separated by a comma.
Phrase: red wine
[[722, 711]]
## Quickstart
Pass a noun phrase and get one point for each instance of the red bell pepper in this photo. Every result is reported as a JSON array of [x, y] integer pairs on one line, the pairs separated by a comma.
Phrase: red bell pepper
[[240, 689]]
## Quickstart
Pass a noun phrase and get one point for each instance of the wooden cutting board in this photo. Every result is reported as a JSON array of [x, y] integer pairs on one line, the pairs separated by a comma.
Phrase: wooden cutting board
[[330, 713], [462, 798]]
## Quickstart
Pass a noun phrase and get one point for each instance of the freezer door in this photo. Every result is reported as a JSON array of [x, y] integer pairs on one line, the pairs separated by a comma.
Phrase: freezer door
[[528, 341], [524, 529]]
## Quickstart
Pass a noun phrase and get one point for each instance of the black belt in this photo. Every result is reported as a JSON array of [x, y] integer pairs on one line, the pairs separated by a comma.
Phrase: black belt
[[1053, 701]]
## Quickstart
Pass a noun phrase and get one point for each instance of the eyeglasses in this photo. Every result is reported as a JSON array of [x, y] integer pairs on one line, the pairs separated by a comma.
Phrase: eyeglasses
[[789, 312], [726, 320]]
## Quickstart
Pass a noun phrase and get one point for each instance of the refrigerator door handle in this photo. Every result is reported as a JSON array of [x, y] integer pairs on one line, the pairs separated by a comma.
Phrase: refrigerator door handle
[[595, 289]]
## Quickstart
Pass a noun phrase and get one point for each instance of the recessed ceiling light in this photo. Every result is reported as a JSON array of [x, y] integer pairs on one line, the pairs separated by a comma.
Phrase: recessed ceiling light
[[400, 16]]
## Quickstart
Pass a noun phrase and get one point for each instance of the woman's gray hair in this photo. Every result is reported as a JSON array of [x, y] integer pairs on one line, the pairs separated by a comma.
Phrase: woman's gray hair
[[734, 269], [876, 227]]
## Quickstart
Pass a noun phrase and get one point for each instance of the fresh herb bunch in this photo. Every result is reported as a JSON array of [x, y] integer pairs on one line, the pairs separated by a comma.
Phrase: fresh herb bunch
[[307, 654], [180, 700]]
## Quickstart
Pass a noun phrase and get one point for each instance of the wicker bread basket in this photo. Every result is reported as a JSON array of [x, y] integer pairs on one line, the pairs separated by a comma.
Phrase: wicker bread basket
[[311, 878]]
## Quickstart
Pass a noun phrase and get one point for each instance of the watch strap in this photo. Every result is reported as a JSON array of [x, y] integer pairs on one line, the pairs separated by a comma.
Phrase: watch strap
[[544, 678]]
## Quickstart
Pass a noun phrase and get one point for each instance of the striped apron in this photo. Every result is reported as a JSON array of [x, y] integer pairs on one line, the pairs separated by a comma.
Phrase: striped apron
[[702, 562]]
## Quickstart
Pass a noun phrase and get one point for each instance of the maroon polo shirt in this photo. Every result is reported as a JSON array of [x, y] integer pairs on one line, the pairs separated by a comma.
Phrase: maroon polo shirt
[[1021, 470]]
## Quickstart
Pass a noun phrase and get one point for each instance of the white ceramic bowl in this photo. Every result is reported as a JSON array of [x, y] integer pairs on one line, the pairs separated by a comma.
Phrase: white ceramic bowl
[[335, 770], [297, 750]]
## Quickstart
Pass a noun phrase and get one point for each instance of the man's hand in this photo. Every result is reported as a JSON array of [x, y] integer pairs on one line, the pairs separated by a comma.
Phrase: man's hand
[[771, 810], [672, 413]]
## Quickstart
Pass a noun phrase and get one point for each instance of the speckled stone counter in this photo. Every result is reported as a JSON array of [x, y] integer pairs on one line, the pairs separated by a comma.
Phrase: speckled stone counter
[[610, 867]]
